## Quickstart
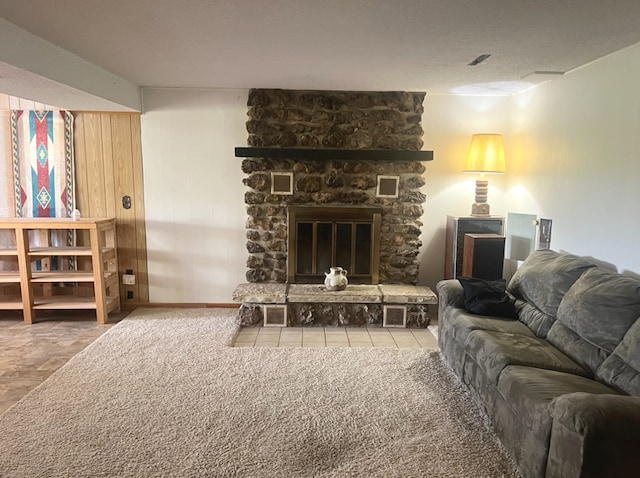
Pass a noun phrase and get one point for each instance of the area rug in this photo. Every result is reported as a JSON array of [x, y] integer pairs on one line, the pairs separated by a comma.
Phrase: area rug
[[163, 394]]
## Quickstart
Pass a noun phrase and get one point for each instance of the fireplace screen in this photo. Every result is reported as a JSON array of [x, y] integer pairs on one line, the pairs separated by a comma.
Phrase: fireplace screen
[[324, 237]]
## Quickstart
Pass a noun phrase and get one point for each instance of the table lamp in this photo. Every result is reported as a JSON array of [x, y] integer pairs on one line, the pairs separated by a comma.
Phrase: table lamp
[[486, 155]]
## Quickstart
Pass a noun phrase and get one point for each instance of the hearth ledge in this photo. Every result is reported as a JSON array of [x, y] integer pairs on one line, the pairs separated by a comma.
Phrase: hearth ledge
[[270, 293]]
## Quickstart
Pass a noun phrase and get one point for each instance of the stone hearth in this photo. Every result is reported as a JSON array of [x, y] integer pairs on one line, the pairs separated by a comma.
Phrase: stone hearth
[[357, 305]]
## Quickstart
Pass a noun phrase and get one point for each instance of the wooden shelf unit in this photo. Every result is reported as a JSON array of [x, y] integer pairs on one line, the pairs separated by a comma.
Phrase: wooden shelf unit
[[94, 288]]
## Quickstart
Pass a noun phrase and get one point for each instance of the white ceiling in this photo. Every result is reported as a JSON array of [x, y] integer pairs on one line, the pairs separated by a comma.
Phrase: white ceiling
[[416, 45]]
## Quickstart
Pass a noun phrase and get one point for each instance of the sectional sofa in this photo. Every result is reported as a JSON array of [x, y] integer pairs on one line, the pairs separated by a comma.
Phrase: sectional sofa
[[560, 380]]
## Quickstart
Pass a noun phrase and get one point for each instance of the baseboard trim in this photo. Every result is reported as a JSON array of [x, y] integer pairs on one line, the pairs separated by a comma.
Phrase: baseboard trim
[[178, 305]]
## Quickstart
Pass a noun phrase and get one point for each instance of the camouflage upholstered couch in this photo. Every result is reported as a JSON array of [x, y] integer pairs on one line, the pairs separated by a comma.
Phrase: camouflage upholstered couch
[[561, 383]]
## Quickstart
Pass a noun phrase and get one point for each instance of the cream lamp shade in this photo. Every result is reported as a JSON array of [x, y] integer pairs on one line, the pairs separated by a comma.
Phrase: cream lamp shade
[[486, 155]]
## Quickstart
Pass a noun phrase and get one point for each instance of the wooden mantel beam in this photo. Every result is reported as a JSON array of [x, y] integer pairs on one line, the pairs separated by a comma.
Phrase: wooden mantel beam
[[333, 154]]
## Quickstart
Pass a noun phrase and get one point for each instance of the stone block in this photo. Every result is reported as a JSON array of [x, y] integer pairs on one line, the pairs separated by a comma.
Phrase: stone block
[[316, 293], [407, 294], [265, 293]]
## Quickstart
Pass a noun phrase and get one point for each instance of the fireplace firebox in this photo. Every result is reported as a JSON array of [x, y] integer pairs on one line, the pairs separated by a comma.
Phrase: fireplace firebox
[[321, 237]]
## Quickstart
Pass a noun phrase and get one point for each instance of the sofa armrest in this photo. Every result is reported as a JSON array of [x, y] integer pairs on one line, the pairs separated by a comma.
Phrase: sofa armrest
[[594, 436], [587, 413], [450, 293]]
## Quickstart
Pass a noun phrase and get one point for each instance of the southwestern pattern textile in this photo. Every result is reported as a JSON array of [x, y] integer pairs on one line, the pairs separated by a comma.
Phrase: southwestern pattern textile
[[42, 156]]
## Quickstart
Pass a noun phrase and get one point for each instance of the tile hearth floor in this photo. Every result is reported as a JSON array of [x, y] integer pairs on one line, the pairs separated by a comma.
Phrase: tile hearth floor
[[335, 337]]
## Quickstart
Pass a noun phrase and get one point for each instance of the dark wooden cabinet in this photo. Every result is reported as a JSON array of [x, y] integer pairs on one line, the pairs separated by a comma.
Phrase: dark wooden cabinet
[[457, 227]]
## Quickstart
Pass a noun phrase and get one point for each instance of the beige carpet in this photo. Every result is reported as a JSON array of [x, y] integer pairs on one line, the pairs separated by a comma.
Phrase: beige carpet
[[162, 394]]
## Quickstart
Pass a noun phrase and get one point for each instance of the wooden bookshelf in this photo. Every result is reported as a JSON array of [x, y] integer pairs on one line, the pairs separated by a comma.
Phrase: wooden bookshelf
[[93, 287]]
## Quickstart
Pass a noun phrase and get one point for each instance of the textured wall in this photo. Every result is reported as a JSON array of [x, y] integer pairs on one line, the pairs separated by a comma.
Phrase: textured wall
[[330, 119]]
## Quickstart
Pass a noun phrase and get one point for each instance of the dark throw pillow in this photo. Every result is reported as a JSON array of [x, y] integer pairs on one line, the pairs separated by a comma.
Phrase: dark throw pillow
[[487, 297]]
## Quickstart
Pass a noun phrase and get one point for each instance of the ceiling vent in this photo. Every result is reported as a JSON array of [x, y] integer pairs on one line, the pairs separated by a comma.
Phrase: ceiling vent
[[544, 73], [479, 60]]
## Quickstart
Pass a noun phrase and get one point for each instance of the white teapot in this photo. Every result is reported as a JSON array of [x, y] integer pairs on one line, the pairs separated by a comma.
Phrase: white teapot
[[336, 279]]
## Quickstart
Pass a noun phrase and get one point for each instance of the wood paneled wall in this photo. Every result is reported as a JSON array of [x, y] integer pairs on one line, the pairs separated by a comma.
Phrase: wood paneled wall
[[108, 157]]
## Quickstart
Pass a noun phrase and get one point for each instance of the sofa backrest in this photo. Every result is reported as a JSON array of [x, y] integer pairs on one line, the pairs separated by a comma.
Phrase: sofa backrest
[[540, 284], [594, 316], [621, 370]]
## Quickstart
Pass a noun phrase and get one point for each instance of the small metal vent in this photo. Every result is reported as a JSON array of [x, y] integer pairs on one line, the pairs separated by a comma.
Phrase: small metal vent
[[479, 59], [543, 73], [394, 316], [275, 315]]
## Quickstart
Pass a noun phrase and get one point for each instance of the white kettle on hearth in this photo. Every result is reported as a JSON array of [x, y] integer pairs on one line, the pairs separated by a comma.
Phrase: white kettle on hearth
[[336, 279]]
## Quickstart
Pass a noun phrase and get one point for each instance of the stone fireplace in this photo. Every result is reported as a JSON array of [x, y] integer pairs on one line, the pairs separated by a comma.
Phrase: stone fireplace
[[334, 178], [302, 125]]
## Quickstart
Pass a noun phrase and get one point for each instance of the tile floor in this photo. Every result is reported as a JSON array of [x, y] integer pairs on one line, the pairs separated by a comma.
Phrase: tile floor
[[30, 353], [335, 337]]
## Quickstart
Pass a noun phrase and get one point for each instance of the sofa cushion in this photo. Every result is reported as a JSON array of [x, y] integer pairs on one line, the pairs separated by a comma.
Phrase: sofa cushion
[[487, 297], [594, 315], [571, 344], [493, 351], [464, 323], [534, 318], [621, 370], [542, 281], [528, 391]]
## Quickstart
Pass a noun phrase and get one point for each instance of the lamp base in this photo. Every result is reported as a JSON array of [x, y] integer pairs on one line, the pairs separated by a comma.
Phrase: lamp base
[[480, 209]]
